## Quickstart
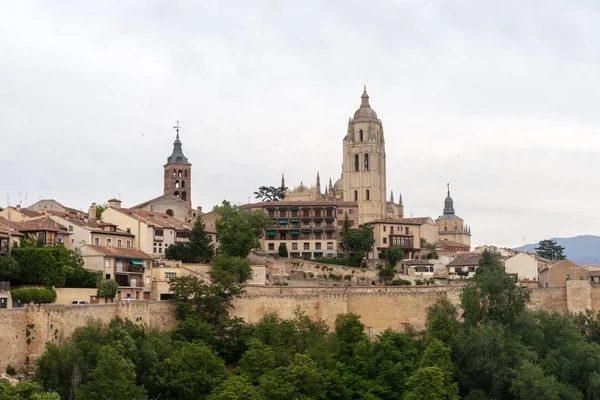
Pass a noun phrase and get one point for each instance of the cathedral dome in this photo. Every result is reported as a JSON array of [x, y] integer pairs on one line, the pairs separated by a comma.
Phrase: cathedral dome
[[338, 188], [365, 111]]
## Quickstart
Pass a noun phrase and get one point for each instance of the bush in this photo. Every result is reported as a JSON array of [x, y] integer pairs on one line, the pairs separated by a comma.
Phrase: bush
[[107, 288], [400, 282], [33, 295], [10, 370], [283, 251], [347, 262], [48, 266]]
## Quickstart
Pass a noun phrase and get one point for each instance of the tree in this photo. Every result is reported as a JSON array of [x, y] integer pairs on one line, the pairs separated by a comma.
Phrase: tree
[[9, 269], [100, 209], [25, 391], [494, 295], [200, 245], [239, 231], [113, 379], [359, 241], [270, 193], [236, 388], [428, 384], [550, 249], [393, 254], [191, 372], [345, 228], [283, 251], [438, 355], [107, 288]]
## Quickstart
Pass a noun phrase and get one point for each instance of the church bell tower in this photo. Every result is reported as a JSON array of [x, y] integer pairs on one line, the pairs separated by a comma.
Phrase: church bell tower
[[178, 173], [363, 166]]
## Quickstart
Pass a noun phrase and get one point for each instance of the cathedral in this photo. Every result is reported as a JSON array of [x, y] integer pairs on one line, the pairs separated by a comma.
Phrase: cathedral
[[363, 177]]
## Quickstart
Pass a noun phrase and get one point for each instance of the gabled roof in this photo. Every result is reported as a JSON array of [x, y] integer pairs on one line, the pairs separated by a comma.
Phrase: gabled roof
[[450, 243], [560, 264], [44, 224], [25, 211], [167, 196], [470, 259], [156, 219], [120, 252]]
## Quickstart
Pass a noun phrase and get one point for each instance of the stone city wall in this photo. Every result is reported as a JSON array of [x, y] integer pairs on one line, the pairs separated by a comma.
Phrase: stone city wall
[[379, 307]]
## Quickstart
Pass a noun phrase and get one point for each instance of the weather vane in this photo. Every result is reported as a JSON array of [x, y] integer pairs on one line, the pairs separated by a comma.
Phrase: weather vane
[[176, 127]]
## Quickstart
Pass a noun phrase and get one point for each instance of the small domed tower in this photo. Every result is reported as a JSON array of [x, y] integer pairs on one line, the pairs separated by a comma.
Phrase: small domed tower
[[363, 166], [178, 173]]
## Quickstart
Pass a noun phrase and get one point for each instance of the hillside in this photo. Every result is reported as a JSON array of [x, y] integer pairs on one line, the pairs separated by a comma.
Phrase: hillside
[[584, 249]]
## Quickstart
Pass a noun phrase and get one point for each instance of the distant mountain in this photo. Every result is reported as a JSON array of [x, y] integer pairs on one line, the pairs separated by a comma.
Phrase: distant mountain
[[584, 249]]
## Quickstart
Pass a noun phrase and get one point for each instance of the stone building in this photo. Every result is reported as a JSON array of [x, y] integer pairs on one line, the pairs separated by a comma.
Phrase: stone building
[[450, 226], [558, 274], [363, 177]]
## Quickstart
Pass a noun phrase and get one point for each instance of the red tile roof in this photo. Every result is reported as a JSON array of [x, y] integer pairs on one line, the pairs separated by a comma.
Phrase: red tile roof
[[121, 252], [404, 221], [157, 219]]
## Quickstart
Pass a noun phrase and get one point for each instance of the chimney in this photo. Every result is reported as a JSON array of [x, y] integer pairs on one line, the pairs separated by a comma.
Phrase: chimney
[[199, 208], [92, 212], [114, 203]]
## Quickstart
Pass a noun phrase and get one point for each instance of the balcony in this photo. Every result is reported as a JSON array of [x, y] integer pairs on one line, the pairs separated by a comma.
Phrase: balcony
[[402, 241], [158, 238], [182, 240], [129, 281]]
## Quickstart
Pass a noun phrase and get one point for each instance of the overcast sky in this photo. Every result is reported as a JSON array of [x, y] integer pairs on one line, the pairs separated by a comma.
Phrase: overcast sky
[[499, 98]]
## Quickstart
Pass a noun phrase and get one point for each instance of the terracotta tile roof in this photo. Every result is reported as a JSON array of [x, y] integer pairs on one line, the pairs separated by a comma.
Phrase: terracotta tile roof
[[157, 219], [566, 261], [404, 221], [450, 243], [418, 262], [161, 197], [36, 225], [120, 252], [26, 212], [469, 259]]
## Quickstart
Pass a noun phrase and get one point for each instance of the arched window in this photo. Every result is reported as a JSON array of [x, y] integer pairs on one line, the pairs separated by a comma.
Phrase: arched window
[[174, 172], [182, 184], [356, 162], [366, 162], [356, 195], [176, 184], [455, 227], [185, 172], [176, 194], [179, 175], [170, 212], [183, 195], [368, 194], [361, 135]]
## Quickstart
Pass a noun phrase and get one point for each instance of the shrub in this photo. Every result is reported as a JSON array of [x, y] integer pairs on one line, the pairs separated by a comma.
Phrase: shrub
[[348, 277], [10, 370], [33, 295], [283, 251], [107, 288], [400, 282]]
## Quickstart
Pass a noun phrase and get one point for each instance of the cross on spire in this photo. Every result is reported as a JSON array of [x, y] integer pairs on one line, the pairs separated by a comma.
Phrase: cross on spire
[[176, 127]]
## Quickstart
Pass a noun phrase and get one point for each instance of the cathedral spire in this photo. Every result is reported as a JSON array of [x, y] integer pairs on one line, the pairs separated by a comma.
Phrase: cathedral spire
[[392, 196], [330, 186], [318, 183], [364, 98], [282, 181]]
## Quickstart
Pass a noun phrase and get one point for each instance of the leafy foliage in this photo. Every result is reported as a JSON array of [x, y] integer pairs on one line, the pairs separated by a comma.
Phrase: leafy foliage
[[393, 254], [34, 295], [107, 288], [551, 250], [47, 266], [270, 193], [283, 251], [9, 269], [358, 240], [239, 231], [199, 249], [25, 391], [100, 209]]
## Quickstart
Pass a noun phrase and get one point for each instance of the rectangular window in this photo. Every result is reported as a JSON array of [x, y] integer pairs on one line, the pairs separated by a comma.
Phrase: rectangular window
[[154, 250], [119, 243], [384, 240], [96, 241], [272, 213], [160, 250], [384, 228], [129, 244], [107, 276], [329, 245], [70, 228], [306, 246], [368, 194], [106, 263], [306, 236], [329, 235], [340, 211], [170, 275], [294, 246], [147, 280], [318, 246], [355, 197], [109, 242], [391, 230], [318, 236], [351, 211], [271, 246]]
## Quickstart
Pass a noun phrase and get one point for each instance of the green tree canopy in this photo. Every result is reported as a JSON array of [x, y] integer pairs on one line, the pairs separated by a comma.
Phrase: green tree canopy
[[9, 269], [236, 388], [493, 295], [199, 249], [107, 288], [239, 231], [358, 240], [113, 379], [25, 391], [270, 193], [551, 250], [100, 209], [393, 254]]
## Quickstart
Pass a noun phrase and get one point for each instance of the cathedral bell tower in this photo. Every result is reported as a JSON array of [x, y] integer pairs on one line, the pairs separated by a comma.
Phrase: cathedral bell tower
[[363, 166], [178, 173]]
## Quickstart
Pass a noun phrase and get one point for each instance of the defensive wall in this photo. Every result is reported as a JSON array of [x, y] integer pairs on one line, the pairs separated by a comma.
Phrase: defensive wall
[[25, 331]]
